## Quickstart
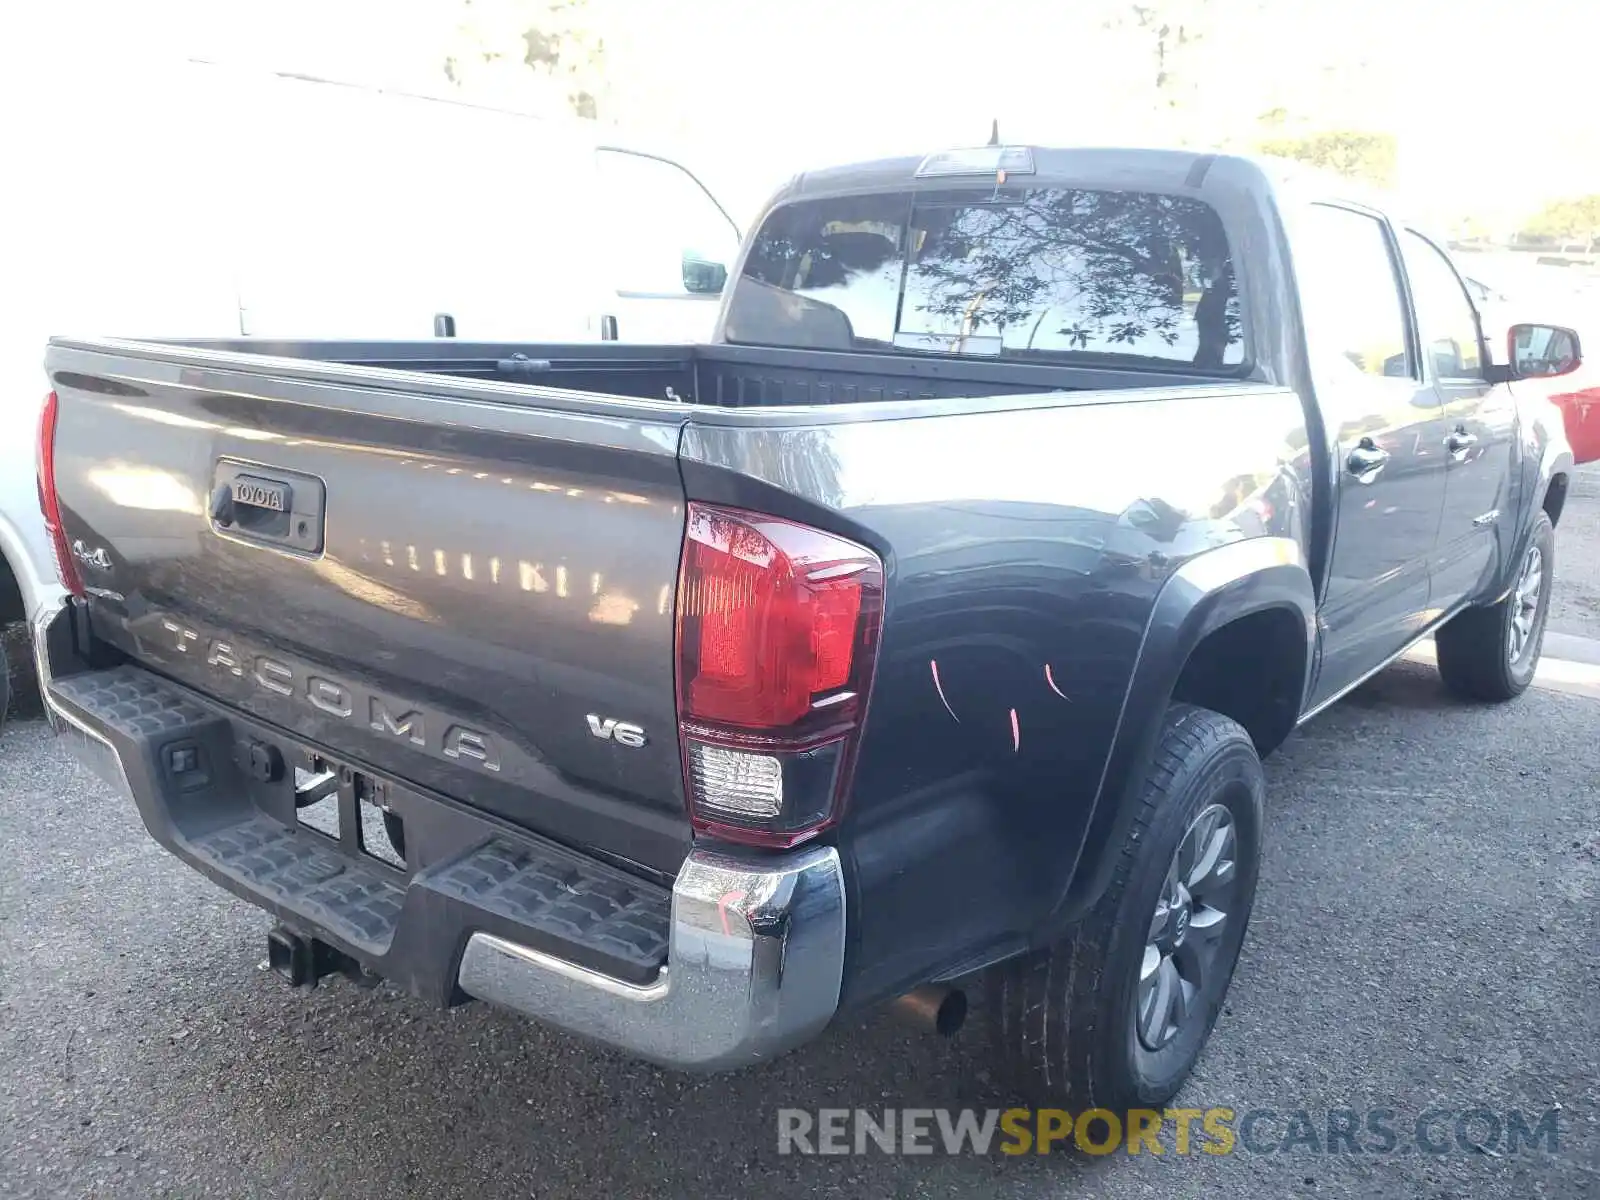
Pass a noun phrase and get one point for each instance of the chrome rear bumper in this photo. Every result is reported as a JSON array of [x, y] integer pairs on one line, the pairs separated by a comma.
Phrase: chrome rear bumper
[[755, 958], [754, 968]]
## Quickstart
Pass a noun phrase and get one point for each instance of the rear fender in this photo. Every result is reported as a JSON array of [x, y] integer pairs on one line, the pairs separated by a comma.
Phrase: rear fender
[[1203, 595], [1546, 453]]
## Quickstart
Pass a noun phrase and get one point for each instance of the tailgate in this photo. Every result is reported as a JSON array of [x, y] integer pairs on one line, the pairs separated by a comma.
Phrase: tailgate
[[471, 595]]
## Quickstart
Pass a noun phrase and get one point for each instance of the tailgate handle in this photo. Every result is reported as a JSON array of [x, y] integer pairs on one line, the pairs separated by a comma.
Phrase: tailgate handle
[[281, 508], [222, 504]]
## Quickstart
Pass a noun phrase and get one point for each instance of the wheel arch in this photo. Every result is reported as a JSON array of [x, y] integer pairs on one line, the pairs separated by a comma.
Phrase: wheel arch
[[1549, 496], [12, 605], [23, 580], [1212, 607], [1264, 699], [1554, 499]]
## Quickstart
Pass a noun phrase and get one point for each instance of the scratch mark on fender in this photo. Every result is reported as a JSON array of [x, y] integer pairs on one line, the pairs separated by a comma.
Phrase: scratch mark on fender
[[1016, 733], [1051, 680], [939, 687]]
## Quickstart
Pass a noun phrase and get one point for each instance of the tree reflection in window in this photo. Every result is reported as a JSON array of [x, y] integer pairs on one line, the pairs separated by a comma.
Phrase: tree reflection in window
[[1128, 273], [1044, 272]]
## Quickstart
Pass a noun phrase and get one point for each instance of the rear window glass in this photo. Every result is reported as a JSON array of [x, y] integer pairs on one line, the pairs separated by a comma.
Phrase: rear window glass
[[1035, 273]]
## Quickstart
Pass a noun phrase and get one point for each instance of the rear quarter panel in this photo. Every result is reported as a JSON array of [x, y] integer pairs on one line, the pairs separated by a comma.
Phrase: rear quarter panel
[[1544, 451], [1025, 545]]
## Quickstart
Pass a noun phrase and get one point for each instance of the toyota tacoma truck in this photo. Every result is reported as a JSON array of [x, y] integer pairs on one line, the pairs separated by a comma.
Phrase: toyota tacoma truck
[[922, 632]]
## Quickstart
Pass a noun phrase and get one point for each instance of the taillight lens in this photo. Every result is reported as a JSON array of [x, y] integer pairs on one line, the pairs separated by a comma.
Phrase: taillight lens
[[778, 628], [50, 502]]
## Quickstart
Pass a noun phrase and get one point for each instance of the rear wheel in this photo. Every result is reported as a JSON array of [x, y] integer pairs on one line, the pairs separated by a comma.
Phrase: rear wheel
[[1115, 1015], [16, 648], [19, 685], [1492, 653]]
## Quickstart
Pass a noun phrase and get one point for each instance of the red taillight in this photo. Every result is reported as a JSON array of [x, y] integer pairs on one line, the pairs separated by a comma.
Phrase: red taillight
[[777, 636], [50, 503]]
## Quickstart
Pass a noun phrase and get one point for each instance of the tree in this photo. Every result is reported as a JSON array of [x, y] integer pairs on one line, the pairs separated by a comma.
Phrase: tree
[[1171, 26], [1057, 269], [1184, 65], [1117, 271], [1468, 227], [1568, 222], [1368, 156], [1169, 29], [541, 54]]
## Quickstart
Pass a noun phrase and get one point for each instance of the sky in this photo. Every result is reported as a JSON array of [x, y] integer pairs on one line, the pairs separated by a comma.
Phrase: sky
[[1492, 104]]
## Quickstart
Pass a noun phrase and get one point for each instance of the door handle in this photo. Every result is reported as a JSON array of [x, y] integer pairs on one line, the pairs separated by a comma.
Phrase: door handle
[[1366, 460], [1460, 441]]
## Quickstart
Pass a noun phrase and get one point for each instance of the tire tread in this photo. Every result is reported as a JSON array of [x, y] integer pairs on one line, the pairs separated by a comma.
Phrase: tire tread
[[1044, 1041], [1470, 647]]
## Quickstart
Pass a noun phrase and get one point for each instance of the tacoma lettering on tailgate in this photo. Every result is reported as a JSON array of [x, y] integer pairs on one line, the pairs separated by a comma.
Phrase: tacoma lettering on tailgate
[[188, 648]]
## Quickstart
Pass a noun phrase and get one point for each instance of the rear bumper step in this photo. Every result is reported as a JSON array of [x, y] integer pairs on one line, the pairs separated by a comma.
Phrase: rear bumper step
[[741, 960]]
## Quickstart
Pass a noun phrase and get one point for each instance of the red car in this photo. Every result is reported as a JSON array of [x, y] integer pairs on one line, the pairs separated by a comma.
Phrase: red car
[[1557, 354], [1574, 384]]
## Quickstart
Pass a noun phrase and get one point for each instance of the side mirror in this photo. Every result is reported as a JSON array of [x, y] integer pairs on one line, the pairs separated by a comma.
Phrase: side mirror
[[702, 277], [1542, 351]]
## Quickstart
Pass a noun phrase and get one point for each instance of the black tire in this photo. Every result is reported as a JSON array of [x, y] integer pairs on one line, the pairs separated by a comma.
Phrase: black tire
[[19, 686], [1063, 1019], [1478, 660]]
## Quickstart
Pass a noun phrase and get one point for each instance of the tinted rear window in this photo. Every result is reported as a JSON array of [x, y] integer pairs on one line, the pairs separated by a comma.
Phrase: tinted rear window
[[1037, 273]]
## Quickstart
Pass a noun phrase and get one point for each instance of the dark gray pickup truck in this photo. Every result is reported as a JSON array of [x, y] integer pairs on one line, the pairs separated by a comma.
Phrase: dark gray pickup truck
[[926, 627]]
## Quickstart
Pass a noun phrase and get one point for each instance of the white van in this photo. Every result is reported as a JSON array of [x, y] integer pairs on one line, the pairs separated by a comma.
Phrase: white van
[[368, 214], [202, 201]]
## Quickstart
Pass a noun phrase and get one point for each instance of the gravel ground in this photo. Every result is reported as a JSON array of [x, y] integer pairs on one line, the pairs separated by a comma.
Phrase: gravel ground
[[1425, 936]]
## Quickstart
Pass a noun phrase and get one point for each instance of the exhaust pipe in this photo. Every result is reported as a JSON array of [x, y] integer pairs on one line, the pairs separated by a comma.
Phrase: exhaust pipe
[[933, 1009]]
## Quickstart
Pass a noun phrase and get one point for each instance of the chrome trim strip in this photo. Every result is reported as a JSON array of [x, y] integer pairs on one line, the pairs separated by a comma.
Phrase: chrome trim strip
[[1427, 632], [88, 745], [754, 967]]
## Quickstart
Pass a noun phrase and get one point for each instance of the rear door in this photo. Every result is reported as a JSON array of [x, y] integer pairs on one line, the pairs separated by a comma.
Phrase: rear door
[[1388, 425], [1480, 420]]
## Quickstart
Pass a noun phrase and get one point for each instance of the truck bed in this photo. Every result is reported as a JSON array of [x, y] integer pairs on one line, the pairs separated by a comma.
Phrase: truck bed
[[725, 375]]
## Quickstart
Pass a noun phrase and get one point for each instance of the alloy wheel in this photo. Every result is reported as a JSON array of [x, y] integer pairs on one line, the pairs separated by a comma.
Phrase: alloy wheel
[[1525, 604], [1180, 967]]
